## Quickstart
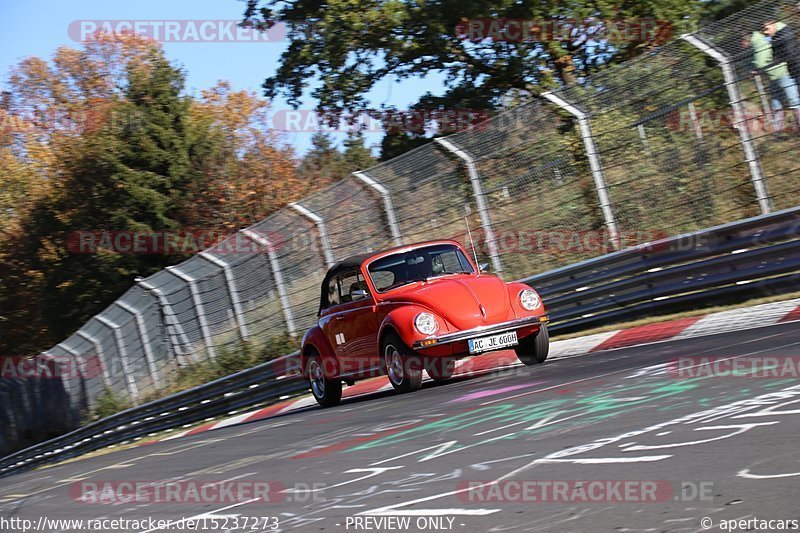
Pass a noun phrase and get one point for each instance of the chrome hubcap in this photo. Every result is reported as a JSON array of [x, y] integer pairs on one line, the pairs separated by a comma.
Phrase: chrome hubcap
[[394, 364], [317, 379]]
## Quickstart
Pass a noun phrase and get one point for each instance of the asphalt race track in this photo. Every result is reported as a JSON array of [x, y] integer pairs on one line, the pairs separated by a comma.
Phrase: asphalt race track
[[653, 451]]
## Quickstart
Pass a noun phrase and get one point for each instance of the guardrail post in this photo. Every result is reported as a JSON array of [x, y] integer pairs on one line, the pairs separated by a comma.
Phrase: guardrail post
[[480, 200], [133, 390], [594, 164], [170, 320], [277, 273], [388, 206], [99, 349], [325, 242], [739, 118], [148, 353], [233, 291], [198, 309]]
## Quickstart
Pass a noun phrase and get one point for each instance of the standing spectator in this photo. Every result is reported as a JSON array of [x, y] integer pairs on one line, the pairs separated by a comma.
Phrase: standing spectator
[[784, 45], [777, 75], [785, 49]]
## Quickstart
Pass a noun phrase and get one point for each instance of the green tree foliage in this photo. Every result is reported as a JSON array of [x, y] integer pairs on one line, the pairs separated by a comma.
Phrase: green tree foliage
[[324, 164], [350, 45]]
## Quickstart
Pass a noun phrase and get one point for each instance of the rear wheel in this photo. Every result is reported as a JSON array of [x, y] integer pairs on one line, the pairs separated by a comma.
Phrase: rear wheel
[[402, 365], [327, 392], [533, 349], [440, 369]]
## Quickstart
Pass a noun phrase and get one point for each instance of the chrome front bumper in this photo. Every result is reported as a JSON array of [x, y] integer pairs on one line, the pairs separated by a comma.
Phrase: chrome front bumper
[[482, 330]]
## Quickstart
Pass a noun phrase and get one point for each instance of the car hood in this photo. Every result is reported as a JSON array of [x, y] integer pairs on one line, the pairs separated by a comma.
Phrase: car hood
[[459, 300]]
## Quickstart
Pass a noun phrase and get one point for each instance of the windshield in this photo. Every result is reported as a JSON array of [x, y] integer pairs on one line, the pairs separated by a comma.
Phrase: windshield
[[418, 265]]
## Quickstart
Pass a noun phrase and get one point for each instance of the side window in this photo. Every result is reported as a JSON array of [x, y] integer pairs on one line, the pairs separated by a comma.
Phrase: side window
[[352, 286], [333, 292]]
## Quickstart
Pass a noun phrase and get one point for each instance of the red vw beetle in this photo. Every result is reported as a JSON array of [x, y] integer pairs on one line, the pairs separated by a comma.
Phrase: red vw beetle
[[411, 308]]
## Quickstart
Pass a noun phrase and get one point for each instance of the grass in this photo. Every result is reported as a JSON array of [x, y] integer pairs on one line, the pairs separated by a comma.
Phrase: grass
[[229, 360]]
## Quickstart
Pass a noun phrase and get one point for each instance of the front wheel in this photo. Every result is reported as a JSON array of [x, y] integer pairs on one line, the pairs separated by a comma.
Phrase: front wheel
[[533, 349], [400, 363], [327, 392]]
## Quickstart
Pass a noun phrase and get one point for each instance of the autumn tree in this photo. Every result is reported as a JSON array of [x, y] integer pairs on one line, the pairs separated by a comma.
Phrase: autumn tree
[[104, 138], [246, 169]]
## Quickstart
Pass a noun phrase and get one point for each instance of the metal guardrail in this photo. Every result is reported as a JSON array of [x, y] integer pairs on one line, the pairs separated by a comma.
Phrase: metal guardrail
[[662, 276], [758, 255], [254, 386]]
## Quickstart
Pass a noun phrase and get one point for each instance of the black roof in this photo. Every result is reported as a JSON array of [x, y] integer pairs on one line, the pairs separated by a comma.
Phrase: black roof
[[349, 263], [353, 262]]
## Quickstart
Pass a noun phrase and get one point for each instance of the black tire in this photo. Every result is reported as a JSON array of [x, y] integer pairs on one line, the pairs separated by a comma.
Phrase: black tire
[[401, 364], [327, 392], [533, 349], [440, 369]]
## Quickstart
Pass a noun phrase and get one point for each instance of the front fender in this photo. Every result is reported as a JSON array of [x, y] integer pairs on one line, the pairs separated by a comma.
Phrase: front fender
[[401, 321], [314, 340]]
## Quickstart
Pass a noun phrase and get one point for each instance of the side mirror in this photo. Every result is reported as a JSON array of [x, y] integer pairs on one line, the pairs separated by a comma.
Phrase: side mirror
[[358, 294], [483, 267]]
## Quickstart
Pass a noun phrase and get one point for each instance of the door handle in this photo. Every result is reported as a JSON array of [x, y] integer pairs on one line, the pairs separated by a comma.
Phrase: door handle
[[339, 317]]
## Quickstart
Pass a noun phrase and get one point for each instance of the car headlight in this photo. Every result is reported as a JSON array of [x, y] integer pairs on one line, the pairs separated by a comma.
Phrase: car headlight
[[426, 323], [529, 300]]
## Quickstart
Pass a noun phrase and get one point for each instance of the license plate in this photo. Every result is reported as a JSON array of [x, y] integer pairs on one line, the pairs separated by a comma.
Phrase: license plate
[[493, 342]]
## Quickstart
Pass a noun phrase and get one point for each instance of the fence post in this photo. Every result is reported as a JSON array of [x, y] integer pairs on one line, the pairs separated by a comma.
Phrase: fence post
[[321, 228], [277, 273], [170, 320], [133, 390], [65, 383], [765, 103], [78, 357], [388, 206], [594, 164], [148, 353], [698, 131], [198, 308], [739, 118], [480, 200], [233, 291], [99, 349], [81, 366]]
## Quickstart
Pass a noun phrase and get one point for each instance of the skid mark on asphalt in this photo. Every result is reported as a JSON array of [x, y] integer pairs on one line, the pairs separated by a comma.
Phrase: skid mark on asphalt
[[492, 392], [565, 456]]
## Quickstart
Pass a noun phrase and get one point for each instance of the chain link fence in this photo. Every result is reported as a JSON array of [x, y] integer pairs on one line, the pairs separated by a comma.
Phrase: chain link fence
[[700, 132]]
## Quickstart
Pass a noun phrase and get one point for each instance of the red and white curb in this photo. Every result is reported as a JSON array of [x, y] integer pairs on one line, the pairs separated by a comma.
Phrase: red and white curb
[[682, 328]]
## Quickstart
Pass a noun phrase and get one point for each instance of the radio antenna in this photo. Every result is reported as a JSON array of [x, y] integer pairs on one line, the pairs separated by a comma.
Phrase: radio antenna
[[472, 243]]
